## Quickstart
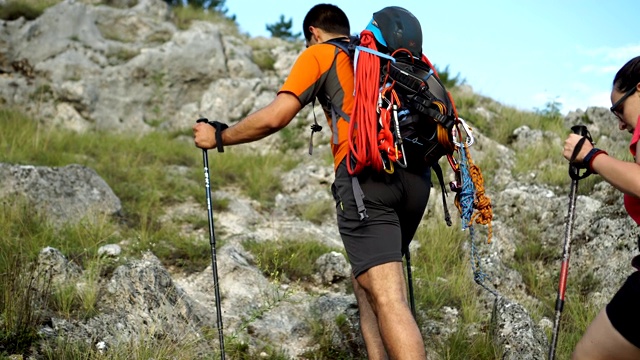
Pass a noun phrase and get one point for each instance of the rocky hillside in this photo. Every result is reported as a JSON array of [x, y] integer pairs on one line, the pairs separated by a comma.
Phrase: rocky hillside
[[127, 68]]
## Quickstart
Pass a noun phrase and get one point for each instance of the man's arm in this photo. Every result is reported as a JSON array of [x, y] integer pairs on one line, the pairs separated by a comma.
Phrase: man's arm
[[255, 126]]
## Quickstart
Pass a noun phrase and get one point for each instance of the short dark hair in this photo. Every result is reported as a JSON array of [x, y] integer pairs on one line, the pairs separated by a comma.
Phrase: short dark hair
[[327, 17], [628, 76]]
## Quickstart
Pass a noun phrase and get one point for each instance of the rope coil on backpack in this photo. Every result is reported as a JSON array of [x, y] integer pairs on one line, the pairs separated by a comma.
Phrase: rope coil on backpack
[[363, 143]]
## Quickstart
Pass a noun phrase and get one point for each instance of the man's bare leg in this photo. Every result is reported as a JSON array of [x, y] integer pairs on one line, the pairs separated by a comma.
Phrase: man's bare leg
[[385, 288], [369, 324]]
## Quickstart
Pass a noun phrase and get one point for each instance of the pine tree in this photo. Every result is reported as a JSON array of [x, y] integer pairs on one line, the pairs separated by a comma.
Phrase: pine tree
[[282, 29], [215, 5]]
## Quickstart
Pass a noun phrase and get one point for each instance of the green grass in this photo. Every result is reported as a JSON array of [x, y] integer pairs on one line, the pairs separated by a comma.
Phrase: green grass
[[176, 252], [138, 167], [325, 337], [89, 291], [21, 293], [441, 273], [25, 233], [576, 317], [460, 346], [548, 170], [286, 259], [29, 9], [146, 348], [504, 120], [186, 15], [539, 266], [240, 350], [264, 60], [292, 139], [317, 211], [440, 258], [140, 170]]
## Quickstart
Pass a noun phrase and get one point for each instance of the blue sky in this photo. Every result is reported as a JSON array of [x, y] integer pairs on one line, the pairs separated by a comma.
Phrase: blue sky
[[520, 53]]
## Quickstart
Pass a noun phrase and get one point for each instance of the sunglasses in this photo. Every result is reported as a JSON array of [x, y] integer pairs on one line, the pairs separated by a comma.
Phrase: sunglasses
[[614, 108]]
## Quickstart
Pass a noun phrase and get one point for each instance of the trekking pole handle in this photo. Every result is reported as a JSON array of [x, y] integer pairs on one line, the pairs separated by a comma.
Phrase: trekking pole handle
[[574, 169], [580, 130], [220, 127]]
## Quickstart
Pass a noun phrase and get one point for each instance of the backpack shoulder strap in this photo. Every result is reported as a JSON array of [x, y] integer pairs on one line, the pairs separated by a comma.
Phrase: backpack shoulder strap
[[347, 45]]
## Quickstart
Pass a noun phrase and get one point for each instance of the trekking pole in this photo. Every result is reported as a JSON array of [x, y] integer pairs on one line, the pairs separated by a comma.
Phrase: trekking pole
[[212, 241], [564, 269], [407, 256]]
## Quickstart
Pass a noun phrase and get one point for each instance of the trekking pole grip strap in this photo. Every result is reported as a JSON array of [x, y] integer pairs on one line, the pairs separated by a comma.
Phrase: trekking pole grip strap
[[574, 167], [220, 127]]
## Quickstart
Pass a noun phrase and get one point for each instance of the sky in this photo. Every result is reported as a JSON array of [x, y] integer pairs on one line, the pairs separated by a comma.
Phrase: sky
[[521, 53]]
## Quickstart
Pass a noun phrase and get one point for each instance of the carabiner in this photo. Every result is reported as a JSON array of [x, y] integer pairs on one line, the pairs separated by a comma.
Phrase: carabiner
[[469, 138]]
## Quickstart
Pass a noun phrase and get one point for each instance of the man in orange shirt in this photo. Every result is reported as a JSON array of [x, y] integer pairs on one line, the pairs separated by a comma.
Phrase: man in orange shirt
[[375, 243]]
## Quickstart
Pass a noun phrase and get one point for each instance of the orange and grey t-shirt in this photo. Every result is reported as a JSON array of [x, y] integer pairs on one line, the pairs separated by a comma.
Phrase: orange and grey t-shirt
[[324, 71]]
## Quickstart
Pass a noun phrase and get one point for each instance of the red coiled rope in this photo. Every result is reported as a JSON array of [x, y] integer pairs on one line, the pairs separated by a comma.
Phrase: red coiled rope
[[363, 126]]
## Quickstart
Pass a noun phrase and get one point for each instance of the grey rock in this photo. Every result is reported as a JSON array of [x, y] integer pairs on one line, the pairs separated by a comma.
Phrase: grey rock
[[63, 194], [55, 266], [112, 250], [516, 333], [333, 267]]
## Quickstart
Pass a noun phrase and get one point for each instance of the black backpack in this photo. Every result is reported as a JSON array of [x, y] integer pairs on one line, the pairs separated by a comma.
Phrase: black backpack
[[426, 114], [425, 121]]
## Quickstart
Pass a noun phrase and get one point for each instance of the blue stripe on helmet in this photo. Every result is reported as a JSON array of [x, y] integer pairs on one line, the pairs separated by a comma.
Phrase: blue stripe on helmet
[[376, 32]]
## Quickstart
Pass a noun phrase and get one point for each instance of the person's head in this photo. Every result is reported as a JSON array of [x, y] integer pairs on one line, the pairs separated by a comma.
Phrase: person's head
[[324, 19], [625, 95], [401, 29]]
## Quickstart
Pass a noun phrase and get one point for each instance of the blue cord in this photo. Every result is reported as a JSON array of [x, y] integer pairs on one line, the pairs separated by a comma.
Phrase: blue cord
[[467, 191], [466, 203]]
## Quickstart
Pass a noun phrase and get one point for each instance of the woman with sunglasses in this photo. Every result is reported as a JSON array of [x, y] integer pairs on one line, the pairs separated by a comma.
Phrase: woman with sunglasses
[[615, 332]]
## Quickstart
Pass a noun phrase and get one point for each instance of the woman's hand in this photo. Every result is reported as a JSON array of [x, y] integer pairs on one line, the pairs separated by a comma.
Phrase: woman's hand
[[570, 145]]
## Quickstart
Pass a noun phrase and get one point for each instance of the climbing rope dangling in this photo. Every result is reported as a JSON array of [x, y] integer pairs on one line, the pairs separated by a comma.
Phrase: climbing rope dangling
[[474, 207]]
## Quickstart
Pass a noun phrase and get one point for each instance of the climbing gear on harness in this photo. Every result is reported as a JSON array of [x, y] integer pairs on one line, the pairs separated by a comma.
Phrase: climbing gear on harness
[[212, 237], [566, 250]]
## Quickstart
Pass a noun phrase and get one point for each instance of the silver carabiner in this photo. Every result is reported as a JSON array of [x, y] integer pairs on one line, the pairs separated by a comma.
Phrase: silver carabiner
[[469, 134], [398, 136]]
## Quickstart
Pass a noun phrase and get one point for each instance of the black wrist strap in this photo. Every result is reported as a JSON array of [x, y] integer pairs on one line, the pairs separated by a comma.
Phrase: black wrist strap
[[574, 168], [588, 159], [220, 127]]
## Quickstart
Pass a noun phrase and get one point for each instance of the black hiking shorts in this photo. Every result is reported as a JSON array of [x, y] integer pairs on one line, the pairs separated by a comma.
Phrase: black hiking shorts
[[624, 311], [394, 203]]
